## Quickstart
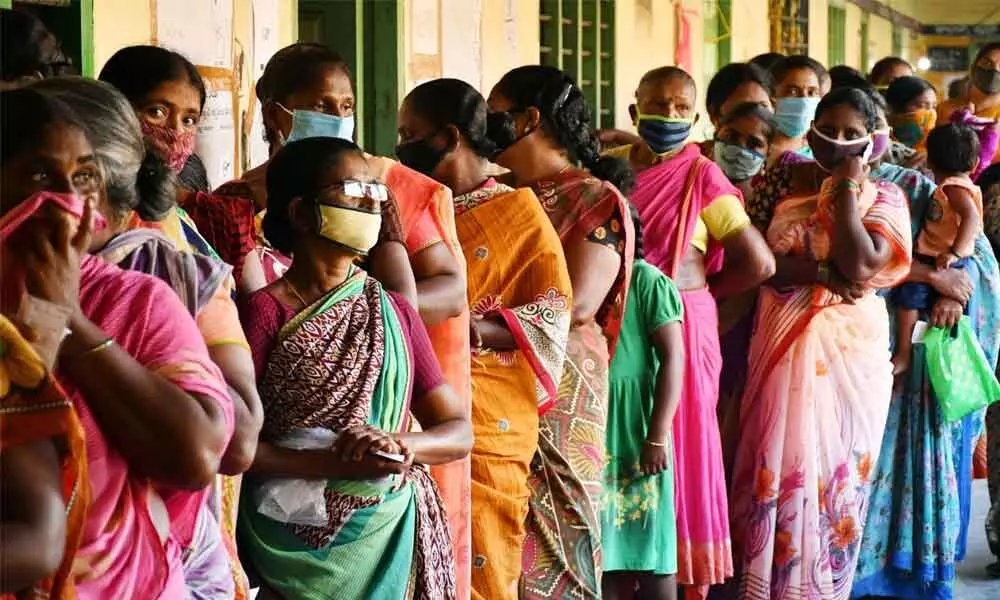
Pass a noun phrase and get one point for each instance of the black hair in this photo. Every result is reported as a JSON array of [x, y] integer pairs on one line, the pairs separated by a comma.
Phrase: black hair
[[444, 102], [194, 176], [793, 63], [294, 172], [882, 67], [28, 47], [845, 76], [731, 77], [667, 73], [752, 109], [138, 70], [637, 225], [904, 90], [566, 118], [859, 100], [986, 49], [295, 68], [959, 88], [953, 148], [24, 114], [989, 178], [768, 60]]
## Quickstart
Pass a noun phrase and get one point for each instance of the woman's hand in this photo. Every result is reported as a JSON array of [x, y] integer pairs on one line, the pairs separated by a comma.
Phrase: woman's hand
[[475, 337], [53, 254], [851, 168], [946, 313], [849, 290], [653, 459], [952, 283], [356, 443]]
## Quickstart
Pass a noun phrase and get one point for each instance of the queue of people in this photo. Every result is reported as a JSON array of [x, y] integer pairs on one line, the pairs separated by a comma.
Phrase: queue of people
[[633, 365]]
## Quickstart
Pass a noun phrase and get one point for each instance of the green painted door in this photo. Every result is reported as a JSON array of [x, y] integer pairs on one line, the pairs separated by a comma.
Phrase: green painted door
[[367, 34]]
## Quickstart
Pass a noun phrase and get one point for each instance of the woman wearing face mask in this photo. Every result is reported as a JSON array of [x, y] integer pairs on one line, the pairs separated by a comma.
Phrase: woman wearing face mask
[[153, 405], [691, 213], [167, 93], [306, 92], [802, 471], [136, 183], [912, 111], [540, 121], [341, 365], [798, 86], [983, 98], [733, 85], [520, 294]]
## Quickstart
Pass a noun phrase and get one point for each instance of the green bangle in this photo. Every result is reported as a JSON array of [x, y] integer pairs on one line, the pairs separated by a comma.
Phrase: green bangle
[[847, 184]]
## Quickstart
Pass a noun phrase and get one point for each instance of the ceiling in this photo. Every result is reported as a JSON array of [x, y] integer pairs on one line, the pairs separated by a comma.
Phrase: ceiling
[[947, 12]]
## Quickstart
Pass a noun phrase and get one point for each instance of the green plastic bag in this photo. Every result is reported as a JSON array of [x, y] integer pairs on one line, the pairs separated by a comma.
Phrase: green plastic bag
[[958, 372]]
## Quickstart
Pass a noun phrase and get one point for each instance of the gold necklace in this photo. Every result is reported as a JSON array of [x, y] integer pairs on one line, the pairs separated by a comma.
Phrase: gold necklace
[[295, 292]]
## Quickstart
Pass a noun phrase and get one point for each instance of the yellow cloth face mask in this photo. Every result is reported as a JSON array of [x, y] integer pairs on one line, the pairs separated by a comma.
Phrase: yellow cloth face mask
[[355, 228]]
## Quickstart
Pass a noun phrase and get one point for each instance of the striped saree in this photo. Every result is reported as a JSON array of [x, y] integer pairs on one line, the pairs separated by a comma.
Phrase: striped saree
[[815, 405], [342, 362]]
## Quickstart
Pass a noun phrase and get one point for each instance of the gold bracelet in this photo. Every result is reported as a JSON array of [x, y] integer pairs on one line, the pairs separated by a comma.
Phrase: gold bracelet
[[97, 348], [656, 444]]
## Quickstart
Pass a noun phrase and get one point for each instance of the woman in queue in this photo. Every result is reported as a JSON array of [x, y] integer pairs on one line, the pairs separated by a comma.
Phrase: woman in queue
[[823, 339], [342, 364], [692, 215], [204, 285], [154, 407], [520, 294], [541, 124]]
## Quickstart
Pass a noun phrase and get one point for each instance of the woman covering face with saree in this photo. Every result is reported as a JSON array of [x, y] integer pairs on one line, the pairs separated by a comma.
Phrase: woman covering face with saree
[[154, 407], [342, 364], [819, 377], [520, 294]]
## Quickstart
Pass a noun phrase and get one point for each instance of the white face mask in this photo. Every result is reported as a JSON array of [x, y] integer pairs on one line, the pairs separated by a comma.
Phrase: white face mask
[[312, 124]]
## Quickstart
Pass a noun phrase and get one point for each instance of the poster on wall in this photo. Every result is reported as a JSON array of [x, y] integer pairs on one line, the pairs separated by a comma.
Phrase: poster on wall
[[201, 30], [265, 43], [216, 143]]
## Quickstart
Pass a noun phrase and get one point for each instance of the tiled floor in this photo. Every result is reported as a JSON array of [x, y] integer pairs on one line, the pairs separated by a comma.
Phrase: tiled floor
[[973, 583]]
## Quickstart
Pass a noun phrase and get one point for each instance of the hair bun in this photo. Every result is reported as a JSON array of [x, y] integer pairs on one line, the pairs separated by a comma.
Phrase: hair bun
[[155, 186]]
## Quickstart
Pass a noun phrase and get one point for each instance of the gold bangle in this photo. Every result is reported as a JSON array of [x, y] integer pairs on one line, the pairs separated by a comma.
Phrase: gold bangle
[[99, 347], [656, 444]]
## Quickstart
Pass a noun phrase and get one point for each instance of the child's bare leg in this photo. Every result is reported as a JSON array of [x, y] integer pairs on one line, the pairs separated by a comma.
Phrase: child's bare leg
[[906, 319], [619, 585], [657, 587]]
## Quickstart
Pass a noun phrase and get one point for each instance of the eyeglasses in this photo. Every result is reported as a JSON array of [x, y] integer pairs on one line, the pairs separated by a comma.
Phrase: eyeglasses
[[352, 188]]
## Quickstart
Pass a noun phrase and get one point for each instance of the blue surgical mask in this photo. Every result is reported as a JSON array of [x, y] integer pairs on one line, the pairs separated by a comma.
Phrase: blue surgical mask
[[663, 134], [794, 115], [737, 162], [312, 124]]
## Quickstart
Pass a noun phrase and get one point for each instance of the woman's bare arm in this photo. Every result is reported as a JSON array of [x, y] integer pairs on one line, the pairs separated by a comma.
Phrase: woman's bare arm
[[593, 269], [447, 432], [440, 279], [748, 263], [236, 365]]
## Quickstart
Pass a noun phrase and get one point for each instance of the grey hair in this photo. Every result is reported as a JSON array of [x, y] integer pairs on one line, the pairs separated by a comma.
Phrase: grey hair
[[134, 177]]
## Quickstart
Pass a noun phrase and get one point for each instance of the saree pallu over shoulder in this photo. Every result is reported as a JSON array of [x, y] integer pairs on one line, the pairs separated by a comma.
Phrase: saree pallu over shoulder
[[517, 271], [813, 411], [577, 203], [341, 362], [34, 408]]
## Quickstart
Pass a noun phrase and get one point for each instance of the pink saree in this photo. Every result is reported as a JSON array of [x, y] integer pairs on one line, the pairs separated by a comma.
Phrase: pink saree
[[134, 530], [814, 409], [671, 193]]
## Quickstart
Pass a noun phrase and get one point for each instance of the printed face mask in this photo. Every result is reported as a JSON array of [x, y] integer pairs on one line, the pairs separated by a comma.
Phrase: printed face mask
[[829, 152], [911, 129], [794, 115], [420, 155], [312, 124], [663, 134], [356, 228], [174, 147], [986, 80], [881, 140], [737, 162]]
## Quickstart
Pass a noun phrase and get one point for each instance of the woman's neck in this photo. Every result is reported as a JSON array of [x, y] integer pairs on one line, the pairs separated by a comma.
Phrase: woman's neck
[[314, 276], [541, 165], [466, 177], [982, 101]]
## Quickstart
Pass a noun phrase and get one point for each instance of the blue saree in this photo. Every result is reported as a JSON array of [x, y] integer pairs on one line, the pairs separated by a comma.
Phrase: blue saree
[[920, 499]]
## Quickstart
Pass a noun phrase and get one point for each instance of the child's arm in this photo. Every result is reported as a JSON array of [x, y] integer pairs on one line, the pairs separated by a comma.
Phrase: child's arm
[[669, 343], [971, 224]]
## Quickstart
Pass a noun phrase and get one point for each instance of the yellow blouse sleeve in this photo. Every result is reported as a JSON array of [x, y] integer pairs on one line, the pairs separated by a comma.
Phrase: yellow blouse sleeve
[[724, 217], [622, 152]]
